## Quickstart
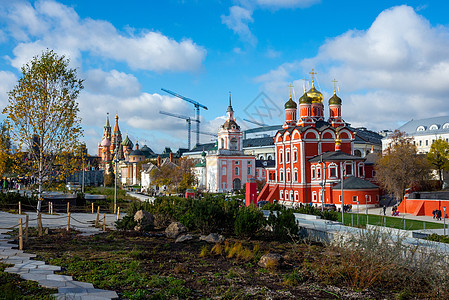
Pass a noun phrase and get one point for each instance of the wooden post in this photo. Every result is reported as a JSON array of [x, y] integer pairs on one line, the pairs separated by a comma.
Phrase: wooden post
[[118, 212], [115, 208], [39, 224], [92, 208], [51, 208], [68, 207], [20, 208], [104, 222], [20, 235], [68, 221], [26, 229], [97, 221]]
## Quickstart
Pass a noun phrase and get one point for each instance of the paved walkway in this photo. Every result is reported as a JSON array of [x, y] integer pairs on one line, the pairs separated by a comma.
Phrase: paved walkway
[[35, 270]]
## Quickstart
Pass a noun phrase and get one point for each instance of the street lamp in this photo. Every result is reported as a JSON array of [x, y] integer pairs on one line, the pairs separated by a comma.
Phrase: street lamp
[[366, 208], [444, 219], [358, 211], [115, 183], [82, 186], [342, 201]]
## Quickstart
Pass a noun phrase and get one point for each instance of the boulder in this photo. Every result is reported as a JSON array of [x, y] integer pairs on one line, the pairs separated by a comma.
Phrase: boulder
[[144, 220], [212, 238], [271, 261], [184, 238], [174, 230]]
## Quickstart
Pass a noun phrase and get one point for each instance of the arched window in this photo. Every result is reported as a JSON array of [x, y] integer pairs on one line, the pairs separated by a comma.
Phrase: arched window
[[281, 157], [269, 157], [421, 128], [287, 156], [446, 126], [223, 172], [433, 127], [236, 171], [295, 156], [249, 170], [358, 153], [234, 144]]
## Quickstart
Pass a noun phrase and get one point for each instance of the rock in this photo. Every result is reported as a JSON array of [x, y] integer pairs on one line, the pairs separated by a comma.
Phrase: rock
[[212, 238], [184, 238], [145, 220], [271, 261], [174, 230]]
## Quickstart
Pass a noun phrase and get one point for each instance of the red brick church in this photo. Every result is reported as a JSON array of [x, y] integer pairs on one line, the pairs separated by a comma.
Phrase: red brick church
[[313, 154]]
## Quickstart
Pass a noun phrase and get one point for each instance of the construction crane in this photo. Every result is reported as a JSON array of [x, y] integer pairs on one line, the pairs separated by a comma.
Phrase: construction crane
[[254, 122], [188, 120], [197, 107]]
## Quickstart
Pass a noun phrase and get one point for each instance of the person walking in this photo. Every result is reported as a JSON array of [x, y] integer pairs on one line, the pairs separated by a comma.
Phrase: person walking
[[434, 212], [385, 209]]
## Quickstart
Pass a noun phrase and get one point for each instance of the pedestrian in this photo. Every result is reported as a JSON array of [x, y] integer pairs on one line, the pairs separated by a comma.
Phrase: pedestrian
[[439, 215], [434, 213], [385, 209]]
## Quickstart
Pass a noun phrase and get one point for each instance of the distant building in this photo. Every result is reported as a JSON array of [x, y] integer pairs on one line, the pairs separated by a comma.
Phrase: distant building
[[424, 132]]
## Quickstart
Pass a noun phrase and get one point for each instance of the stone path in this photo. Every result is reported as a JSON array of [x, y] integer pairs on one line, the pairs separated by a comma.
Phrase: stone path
[[35, 270]]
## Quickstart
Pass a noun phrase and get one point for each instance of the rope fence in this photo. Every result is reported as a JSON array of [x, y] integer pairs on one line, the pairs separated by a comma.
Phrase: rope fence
[[23, 232]]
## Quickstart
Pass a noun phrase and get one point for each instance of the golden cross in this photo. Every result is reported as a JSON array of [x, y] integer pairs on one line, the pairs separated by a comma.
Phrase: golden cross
[[312, 73], [290, 86], [335, 84]]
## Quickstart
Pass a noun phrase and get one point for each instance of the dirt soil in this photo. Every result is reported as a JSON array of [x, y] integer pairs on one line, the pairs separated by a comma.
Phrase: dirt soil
[[194, 270]]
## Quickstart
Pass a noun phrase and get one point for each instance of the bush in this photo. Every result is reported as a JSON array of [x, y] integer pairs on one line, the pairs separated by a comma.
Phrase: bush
[[248, 222], [283, 224], [126, 223]]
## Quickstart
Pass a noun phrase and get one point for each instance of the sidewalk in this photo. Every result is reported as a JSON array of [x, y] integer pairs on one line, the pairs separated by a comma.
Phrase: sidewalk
[[29, 269]]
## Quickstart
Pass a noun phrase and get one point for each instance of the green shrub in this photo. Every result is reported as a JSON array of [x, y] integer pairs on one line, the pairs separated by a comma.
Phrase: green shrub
[[283, 224], [248, 222], [126, 223]]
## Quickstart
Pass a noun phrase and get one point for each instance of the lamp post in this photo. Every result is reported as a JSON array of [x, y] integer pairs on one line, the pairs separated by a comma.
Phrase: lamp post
[[115, 183], [82, 186], [358, 211], [444, 219], [322, 183], [342, 201], [366, 208]]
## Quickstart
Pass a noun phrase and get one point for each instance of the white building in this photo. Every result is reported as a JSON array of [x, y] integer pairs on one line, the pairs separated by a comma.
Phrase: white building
[[424, 132]]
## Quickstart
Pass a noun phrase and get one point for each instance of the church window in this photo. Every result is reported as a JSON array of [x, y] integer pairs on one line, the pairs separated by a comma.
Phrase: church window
[[318, 173], [249, 170], [313, 173], [295, 156], [339, 198], [427, 142], [281, 194], [348, 169], [358, 153], [281, 157], [314, 197], [233, 145], [288, 176], [281, 175], [361, 173], [269, 157], [287, 156], [257, 173], [296, 176], [236, 162], [433, 141], [223, 171], [420, 143], [236, 171], [332, 171], [354, 198]]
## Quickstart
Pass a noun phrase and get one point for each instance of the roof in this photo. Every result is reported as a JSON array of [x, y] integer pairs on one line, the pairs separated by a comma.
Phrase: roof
[[371, 158], [258, 142], [355, 183], [365, 136], [200, 164], [335, 155], [136, 153], [411, 127], [264, 128], [199, 147]]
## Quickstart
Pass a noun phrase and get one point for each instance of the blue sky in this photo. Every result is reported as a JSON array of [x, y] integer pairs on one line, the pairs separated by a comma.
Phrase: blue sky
[[390, 58]]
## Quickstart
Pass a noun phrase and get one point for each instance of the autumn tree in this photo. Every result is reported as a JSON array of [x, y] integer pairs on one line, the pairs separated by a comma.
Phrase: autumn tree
[[400, 166], [438, 157], [178, 176], [42, 113]]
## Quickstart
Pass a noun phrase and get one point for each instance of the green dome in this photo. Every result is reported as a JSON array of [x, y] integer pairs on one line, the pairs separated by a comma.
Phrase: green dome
[[127, 142], [305, 99], [335, 100], [290, 104]]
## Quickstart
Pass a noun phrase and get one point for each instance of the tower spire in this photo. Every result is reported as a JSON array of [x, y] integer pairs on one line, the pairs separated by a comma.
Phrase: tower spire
[[335, 85], [313, 73]]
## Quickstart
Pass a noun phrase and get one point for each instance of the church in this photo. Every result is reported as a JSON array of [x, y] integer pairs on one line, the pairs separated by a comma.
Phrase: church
[[226, 167], [313, 155]]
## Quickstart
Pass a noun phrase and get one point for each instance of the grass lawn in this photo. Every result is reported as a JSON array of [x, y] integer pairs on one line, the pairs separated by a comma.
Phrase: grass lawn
[[393, 222]]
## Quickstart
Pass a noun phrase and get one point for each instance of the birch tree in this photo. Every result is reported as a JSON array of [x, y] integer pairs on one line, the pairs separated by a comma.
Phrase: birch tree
[[42, 114]]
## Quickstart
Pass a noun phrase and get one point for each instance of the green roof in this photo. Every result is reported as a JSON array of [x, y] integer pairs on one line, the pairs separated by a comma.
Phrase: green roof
[[355, 183]]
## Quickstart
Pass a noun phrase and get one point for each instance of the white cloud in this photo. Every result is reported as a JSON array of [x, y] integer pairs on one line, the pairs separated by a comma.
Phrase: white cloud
[[7, 82], [238, 21], [53, 25], [112, 83], [396, 70]]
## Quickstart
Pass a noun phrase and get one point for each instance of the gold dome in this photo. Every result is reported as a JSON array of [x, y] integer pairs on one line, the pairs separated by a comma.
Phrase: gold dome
[[314, 94]]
